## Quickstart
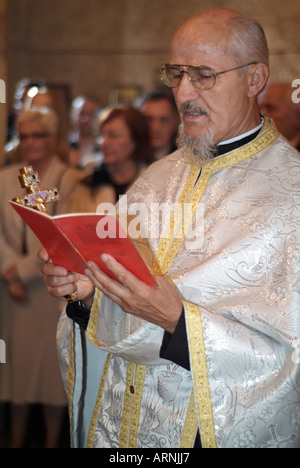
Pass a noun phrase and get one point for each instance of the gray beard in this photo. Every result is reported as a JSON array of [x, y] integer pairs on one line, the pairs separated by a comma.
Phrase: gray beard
[[203, 147]]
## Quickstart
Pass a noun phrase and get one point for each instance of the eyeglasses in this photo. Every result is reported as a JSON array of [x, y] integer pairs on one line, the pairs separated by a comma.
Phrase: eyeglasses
[[202, 77], [34, 136]]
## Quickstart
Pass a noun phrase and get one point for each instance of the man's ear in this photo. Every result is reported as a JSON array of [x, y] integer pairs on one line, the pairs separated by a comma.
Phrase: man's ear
[[258, 75]]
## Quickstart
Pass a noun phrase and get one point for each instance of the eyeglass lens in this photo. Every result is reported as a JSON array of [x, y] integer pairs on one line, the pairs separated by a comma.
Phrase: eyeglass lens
[[201, 77], [34, 136]]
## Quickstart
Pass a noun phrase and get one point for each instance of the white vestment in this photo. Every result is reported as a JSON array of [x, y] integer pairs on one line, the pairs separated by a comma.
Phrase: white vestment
[[236, 264]]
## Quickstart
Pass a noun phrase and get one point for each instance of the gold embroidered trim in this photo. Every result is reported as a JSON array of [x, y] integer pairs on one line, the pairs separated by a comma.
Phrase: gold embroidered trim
[[200, 375], [175, 220], [93, 321], [193, 202], [135, 378], [190, 425], [165, 255], [169, 246], [94, 419], [268, 134], [132, 402]]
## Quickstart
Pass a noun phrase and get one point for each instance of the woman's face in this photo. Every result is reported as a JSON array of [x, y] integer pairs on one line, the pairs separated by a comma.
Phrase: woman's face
[[116, 141], [36, 143]]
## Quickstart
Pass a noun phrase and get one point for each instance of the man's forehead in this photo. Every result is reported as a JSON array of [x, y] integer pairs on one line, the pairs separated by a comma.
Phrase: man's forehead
[[197, 53], [158, 106], [192, 43], [203, 34]]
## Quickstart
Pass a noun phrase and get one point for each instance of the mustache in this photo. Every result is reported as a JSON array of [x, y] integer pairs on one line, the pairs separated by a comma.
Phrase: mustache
[[191, 107]]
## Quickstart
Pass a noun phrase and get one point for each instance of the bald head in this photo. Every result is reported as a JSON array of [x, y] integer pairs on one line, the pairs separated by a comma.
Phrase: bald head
[[215, 21], [232, 48], [224, 30]]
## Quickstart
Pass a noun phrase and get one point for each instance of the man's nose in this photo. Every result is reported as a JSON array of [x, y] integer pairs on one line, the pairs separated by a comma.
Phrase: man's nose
[[186, 91], [155, 125]]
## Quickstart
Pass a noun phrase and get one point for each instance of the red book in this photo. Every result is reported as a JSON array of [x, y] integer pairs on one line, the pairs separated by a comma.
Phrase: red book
[[72, 241]]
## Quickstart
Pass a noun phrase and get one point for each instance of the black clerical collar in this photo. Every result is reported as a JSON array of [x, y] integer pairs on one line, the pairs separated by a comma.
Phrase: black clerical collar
[[235, 143]]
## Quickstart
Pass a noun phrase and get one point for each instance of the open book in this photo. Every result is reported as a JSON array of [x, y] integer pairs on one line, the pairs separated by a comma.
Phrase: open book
[[72, 241]]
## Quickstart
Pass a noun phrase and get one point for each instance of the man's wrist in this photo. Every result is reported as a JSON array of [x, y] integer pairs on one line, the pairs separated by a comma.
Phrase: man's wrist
[[86, 303]]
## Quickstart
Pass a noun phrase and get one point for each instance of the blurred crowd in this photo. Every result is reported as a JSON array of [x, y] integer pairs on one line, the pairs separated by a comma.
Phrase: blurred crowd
[[92, 154]]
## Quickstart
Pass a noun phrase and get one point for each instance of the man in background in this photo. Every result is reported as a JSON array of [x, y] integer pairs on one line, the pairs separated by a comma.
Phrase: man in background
[[162, 115], [276, 102]]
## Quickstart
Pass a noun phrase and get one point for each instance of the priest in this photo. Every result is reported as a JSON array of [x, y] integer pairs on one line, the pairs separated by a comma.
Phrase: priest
[[210, 356]]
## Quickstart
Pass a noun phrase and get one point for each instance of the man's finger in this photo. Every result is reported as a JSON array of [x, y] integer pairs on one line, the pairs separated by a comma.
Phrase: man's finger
[[125, 277], [48, 269], [103, 281]]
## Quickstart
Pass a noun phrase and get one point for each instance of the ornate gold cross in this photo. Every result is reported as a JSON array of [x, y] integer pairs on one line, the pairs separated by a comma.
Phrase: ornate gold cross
[[35, 197]]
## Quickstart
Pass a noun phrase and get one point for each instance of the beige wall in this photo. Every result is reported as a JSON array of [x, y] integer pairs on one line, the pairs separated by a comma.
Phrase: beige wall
[[96, 45]]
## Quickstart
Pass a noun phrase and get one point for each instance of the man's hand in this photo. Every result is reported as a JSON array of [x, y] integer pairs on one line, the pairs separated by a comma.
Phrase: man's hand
[[60, 282], [159, 304]]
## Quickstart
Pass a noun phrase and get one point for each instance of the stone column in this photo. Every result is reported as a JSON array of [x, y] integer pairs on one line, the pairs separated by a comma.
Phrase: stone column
[[3, 80]]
